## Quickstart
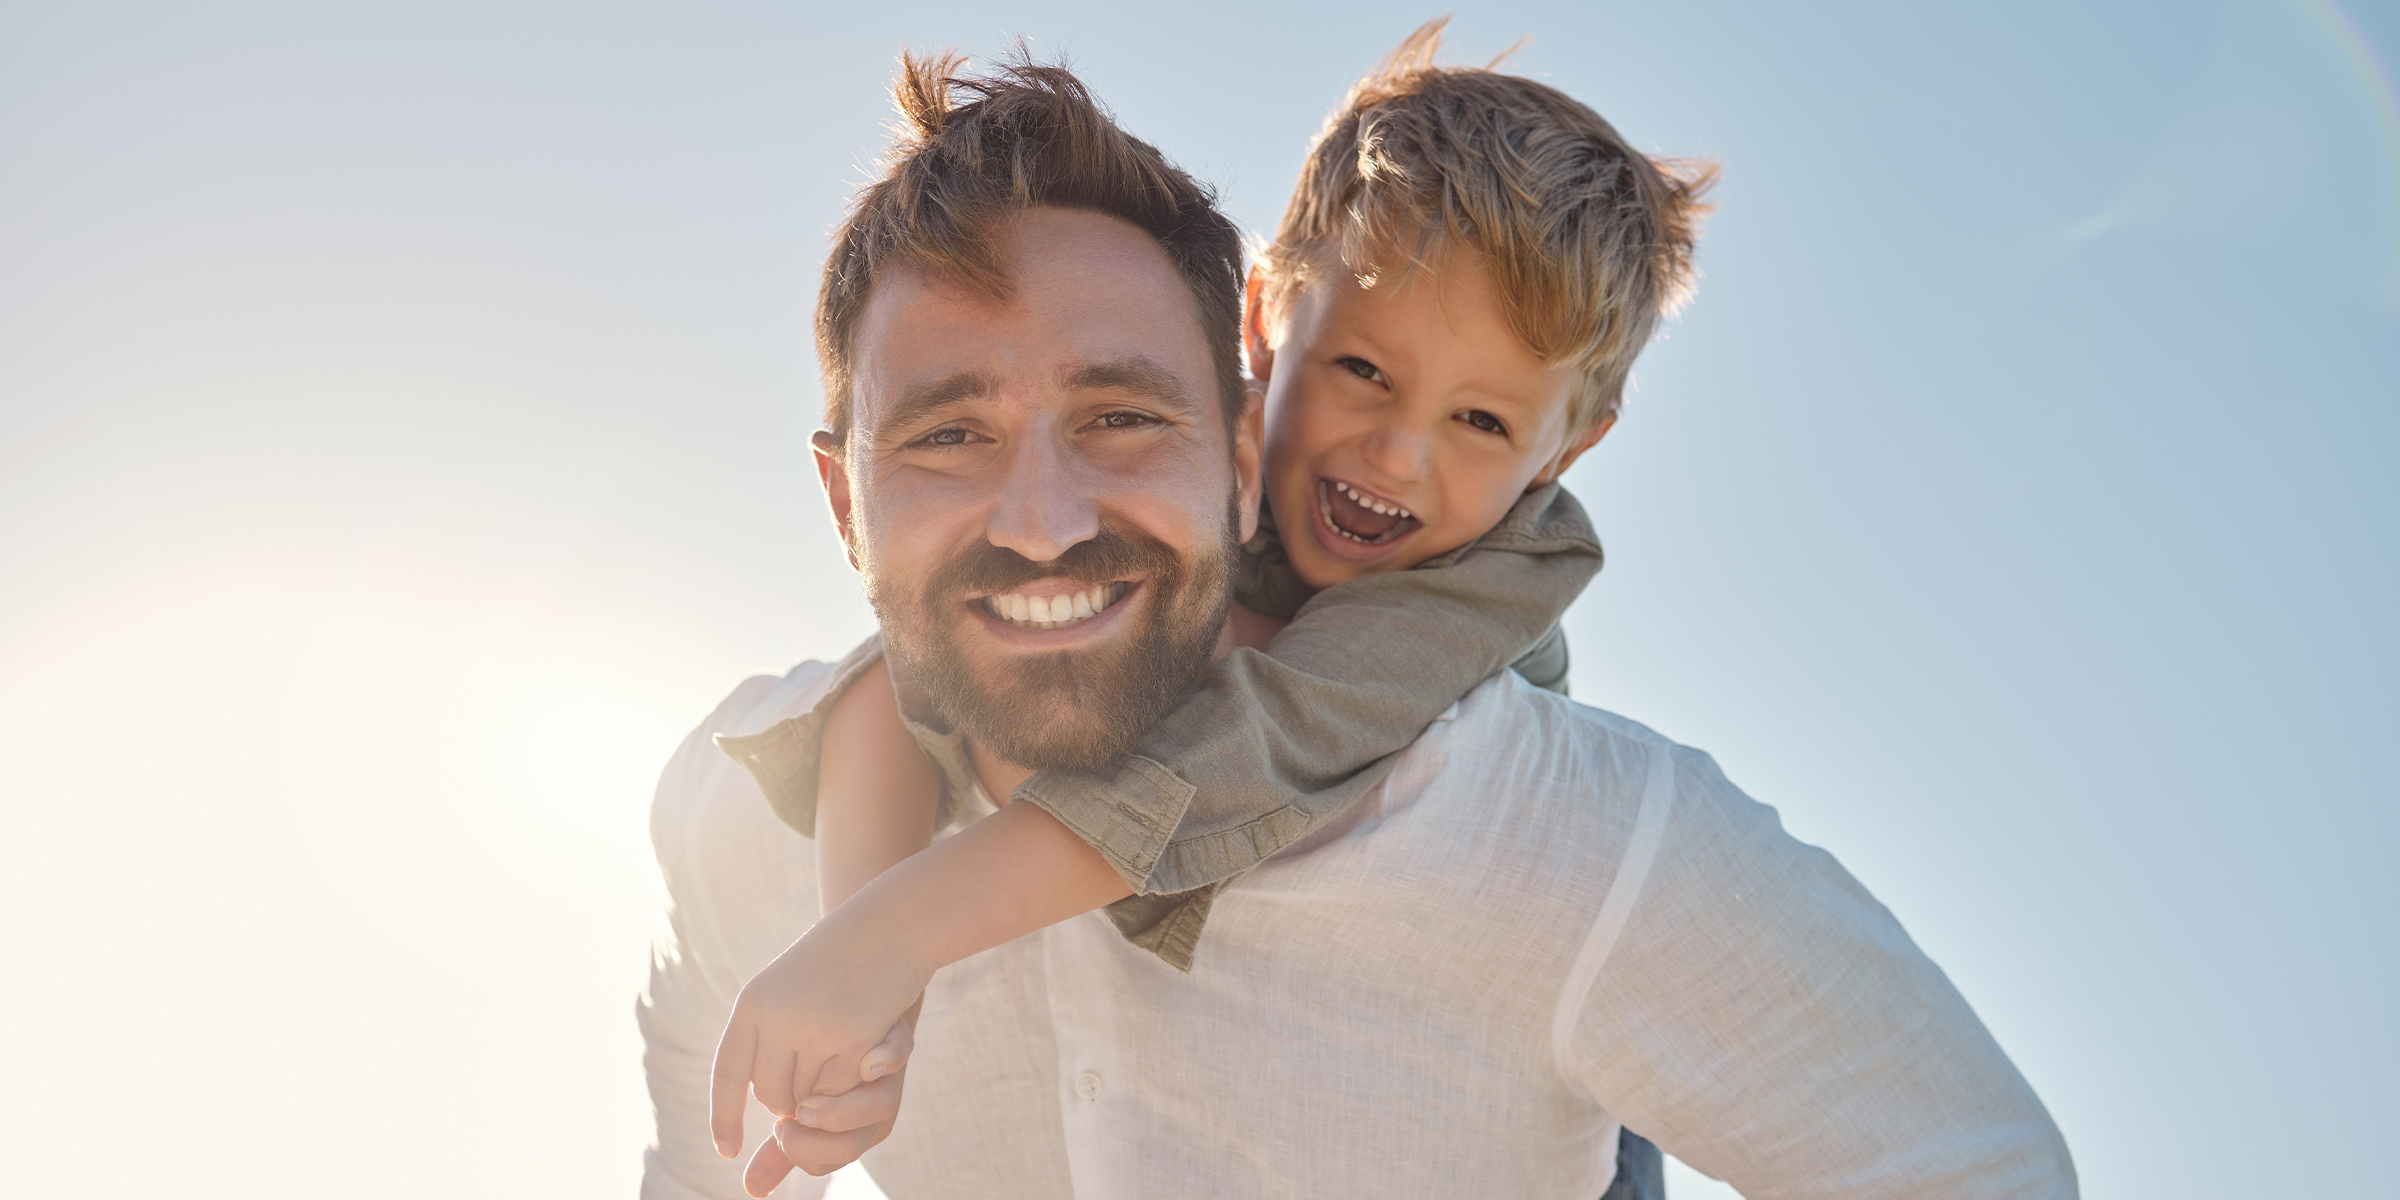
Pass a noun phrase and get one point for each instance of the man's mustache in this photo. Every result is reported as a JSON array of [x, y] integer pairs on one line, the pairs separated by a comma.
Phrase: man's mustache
[[1106, 557]]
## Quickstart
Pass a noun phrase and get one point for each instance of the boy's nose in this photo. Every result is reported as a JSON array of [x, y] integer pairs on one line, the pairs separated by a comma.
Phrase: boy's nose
[[1045, 504], [1404, 454]]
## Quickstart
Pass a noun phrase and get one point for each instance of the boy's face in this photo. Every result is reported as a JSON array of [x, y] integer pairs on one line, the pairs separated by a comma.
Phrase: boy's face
[[1403, 421]]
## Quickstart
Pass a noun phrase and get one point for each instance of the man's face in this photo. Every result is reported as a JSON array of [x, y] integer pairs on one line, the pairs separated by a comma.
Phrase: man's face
[[1042, 492]]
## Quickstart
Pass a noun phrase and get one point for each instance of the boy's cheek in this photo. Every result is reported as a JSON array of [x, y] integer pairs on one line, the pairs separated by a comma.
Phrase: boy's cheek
[[1297, 442]]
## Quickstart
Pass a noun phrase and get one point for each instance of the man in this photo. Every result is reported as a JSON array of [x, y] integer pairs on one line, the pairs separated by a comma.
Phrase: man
[[1546, 920]]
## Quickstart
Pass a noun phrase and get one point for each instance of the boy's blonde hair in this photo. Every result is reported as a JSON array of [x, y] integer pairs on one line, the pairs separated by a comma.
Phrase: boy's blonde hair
[[1588, 240]]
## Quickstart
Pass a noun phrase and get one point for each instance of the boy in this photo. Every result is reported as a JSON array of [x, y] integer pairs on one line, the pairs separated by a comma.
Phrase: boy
[[1444, 323]]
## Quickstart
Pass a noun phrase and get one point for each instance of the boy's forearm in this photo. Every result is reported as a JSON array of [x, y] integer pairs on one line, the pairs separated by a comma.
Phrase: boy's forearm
[[863, 837], [1005, 876]]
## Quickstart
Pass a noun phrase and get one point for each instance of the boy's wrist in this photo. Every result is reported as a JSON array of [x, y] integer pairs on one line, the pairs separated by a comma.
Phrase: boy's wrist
[[867, 928]]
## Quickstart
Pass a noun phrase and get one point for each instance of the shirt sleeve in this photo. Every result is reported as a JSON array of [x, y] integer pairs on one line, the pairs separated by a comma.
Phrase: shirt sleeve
[[1761, 1017], [1267, 746], [1545, 666]]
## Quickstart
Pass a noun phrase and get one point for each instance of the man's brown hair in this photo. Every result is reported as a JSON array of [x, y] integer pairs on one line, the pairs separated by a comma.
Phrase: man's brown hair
[[972, 151], [1588, 240]]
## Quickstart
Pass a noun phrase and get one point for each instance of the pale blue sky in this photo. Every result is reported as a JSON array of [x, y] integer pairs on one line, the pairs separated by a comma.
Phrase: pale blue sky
[[402, 442]]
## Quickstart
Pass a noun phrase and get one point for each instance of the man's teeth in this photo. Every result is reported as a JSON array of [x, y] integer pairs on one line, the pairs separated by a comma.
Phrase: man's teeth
[[1050, 612], [1370, 503]]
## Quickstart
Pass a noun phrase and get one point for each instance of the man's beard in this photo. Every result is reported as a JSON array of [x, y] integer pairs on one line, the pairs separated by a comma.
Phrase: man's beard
[[1070, 708]]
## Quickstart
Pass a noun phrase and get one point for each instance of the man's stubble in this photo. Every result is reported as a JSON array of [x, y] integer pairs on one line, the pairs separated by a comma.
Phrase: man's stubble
[[1069, 709]]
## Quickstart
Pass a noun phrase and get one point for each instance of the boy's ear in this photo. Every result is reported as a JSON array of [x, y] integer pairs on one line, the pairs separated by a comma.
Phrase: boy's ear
[[1585, 440], [1249, 458], [834, 475], [1254, 325]]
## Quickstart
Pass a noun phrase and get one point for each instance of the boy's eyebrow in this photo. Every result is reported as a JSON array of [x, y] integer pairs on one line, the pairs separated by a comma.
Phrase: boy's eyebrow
[[1134, 373]]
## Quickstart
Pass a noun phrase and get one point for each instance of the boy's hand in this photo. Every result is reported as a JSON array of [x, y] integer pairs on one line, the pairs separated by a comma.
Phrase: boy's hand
[[833, 1131], [819, 1020]]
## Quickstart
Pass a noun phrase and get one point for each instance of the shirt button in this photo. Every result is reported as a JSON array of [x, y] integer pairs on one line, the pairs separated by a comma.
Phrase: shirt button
[[1087, 1085]]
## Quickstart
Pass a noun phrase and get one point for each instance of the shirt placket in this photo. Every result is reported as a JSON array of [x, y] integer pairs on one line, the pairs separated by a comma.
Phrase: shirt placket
[[1094, 1077]]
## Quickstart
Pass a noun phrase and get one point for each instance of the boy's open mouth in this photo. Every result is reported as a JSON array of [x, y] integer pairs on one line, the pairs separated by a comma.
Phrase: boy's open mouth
[[1361, 516], [1027, 611]]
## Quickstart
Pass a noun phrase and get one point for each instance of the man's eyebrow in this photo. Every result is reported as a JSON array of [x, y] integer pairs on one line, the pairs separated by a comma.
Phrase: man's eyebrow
[[933, 395], [1132, 373]]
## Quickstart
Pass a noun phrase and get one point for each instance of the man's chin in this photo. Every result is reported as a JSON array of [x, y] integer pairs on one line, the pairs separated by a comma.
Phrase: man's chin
[[1057, 746], [1053, 712]]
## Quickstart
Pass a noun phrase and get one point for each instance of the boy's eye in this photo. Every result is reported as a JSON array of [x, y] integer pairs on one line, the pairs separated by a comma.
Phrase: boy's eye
[[1485, 421], [1361, 368]]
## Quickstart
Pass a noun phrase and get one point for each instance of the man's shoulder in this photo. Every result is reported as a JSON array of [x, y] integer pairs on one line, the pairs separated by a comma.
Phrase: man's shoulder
[[707, 805], [1513, 712], [1513, 771], [1578, 776], [763, 701], [755, 704], [1542, 766]]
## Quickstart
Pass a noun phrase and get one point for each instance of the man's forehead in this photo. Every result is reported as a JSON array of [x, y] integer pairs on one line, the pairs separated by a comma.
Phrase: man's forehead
[[1035, 249], [1089, 301]]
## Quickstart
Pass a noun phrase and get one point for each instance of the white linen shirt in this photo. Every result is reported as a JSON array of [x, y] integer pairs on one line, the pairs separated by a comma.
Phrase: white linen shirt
[[1545, 920]]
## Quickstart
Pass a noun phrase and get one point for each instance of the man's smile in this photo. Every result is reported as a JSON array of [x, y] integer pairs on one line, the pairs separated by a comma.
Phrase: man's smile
[[1054, 603]]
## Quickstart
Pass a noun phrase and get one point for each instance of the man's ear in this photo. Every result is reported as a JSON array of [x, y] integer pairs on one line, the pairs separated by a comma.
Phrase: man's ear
[[1588, 438], [1261, 351], [1249, 441], [833, 473]]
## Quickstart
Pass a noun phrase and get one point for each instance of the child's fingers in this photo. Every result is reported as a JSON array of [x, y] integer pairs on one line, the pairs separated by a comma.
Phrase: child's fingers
[[767, 1168], [728, 1080], [821, 1153], [891, 1055], [861, 1106], [832, 1077], [771, 1077]]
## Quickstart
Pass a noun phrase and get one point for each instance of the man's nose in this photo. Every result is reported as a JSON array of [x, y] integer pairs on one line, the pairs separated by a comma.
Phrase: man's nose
[[1045, 505]]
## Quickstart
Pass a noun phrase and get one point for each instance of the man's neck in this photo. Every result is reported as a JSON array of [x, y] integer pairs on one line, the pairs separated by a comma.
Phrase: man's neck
[[1242, 628]]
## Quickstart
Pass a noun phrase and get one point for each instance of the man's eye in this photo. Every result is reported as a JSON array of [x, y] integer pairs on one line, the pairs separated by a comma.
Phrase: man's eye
[[1124, 419], [953, 436], [1485, 421], [1361, 368]]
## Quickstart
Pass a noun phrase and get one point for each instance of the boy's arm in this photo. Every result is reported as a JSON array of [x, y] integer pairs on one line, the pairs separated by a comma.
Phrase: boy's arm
[[1269, 745], [876, 790], [796, 1031], [801, 1025]]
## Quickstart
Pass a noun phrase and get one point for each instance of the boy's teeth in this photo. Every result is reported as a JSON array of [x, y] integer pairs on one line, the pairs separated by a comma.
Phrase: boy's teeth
[[1325, 507], [1050, 612], [1370, 503]]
